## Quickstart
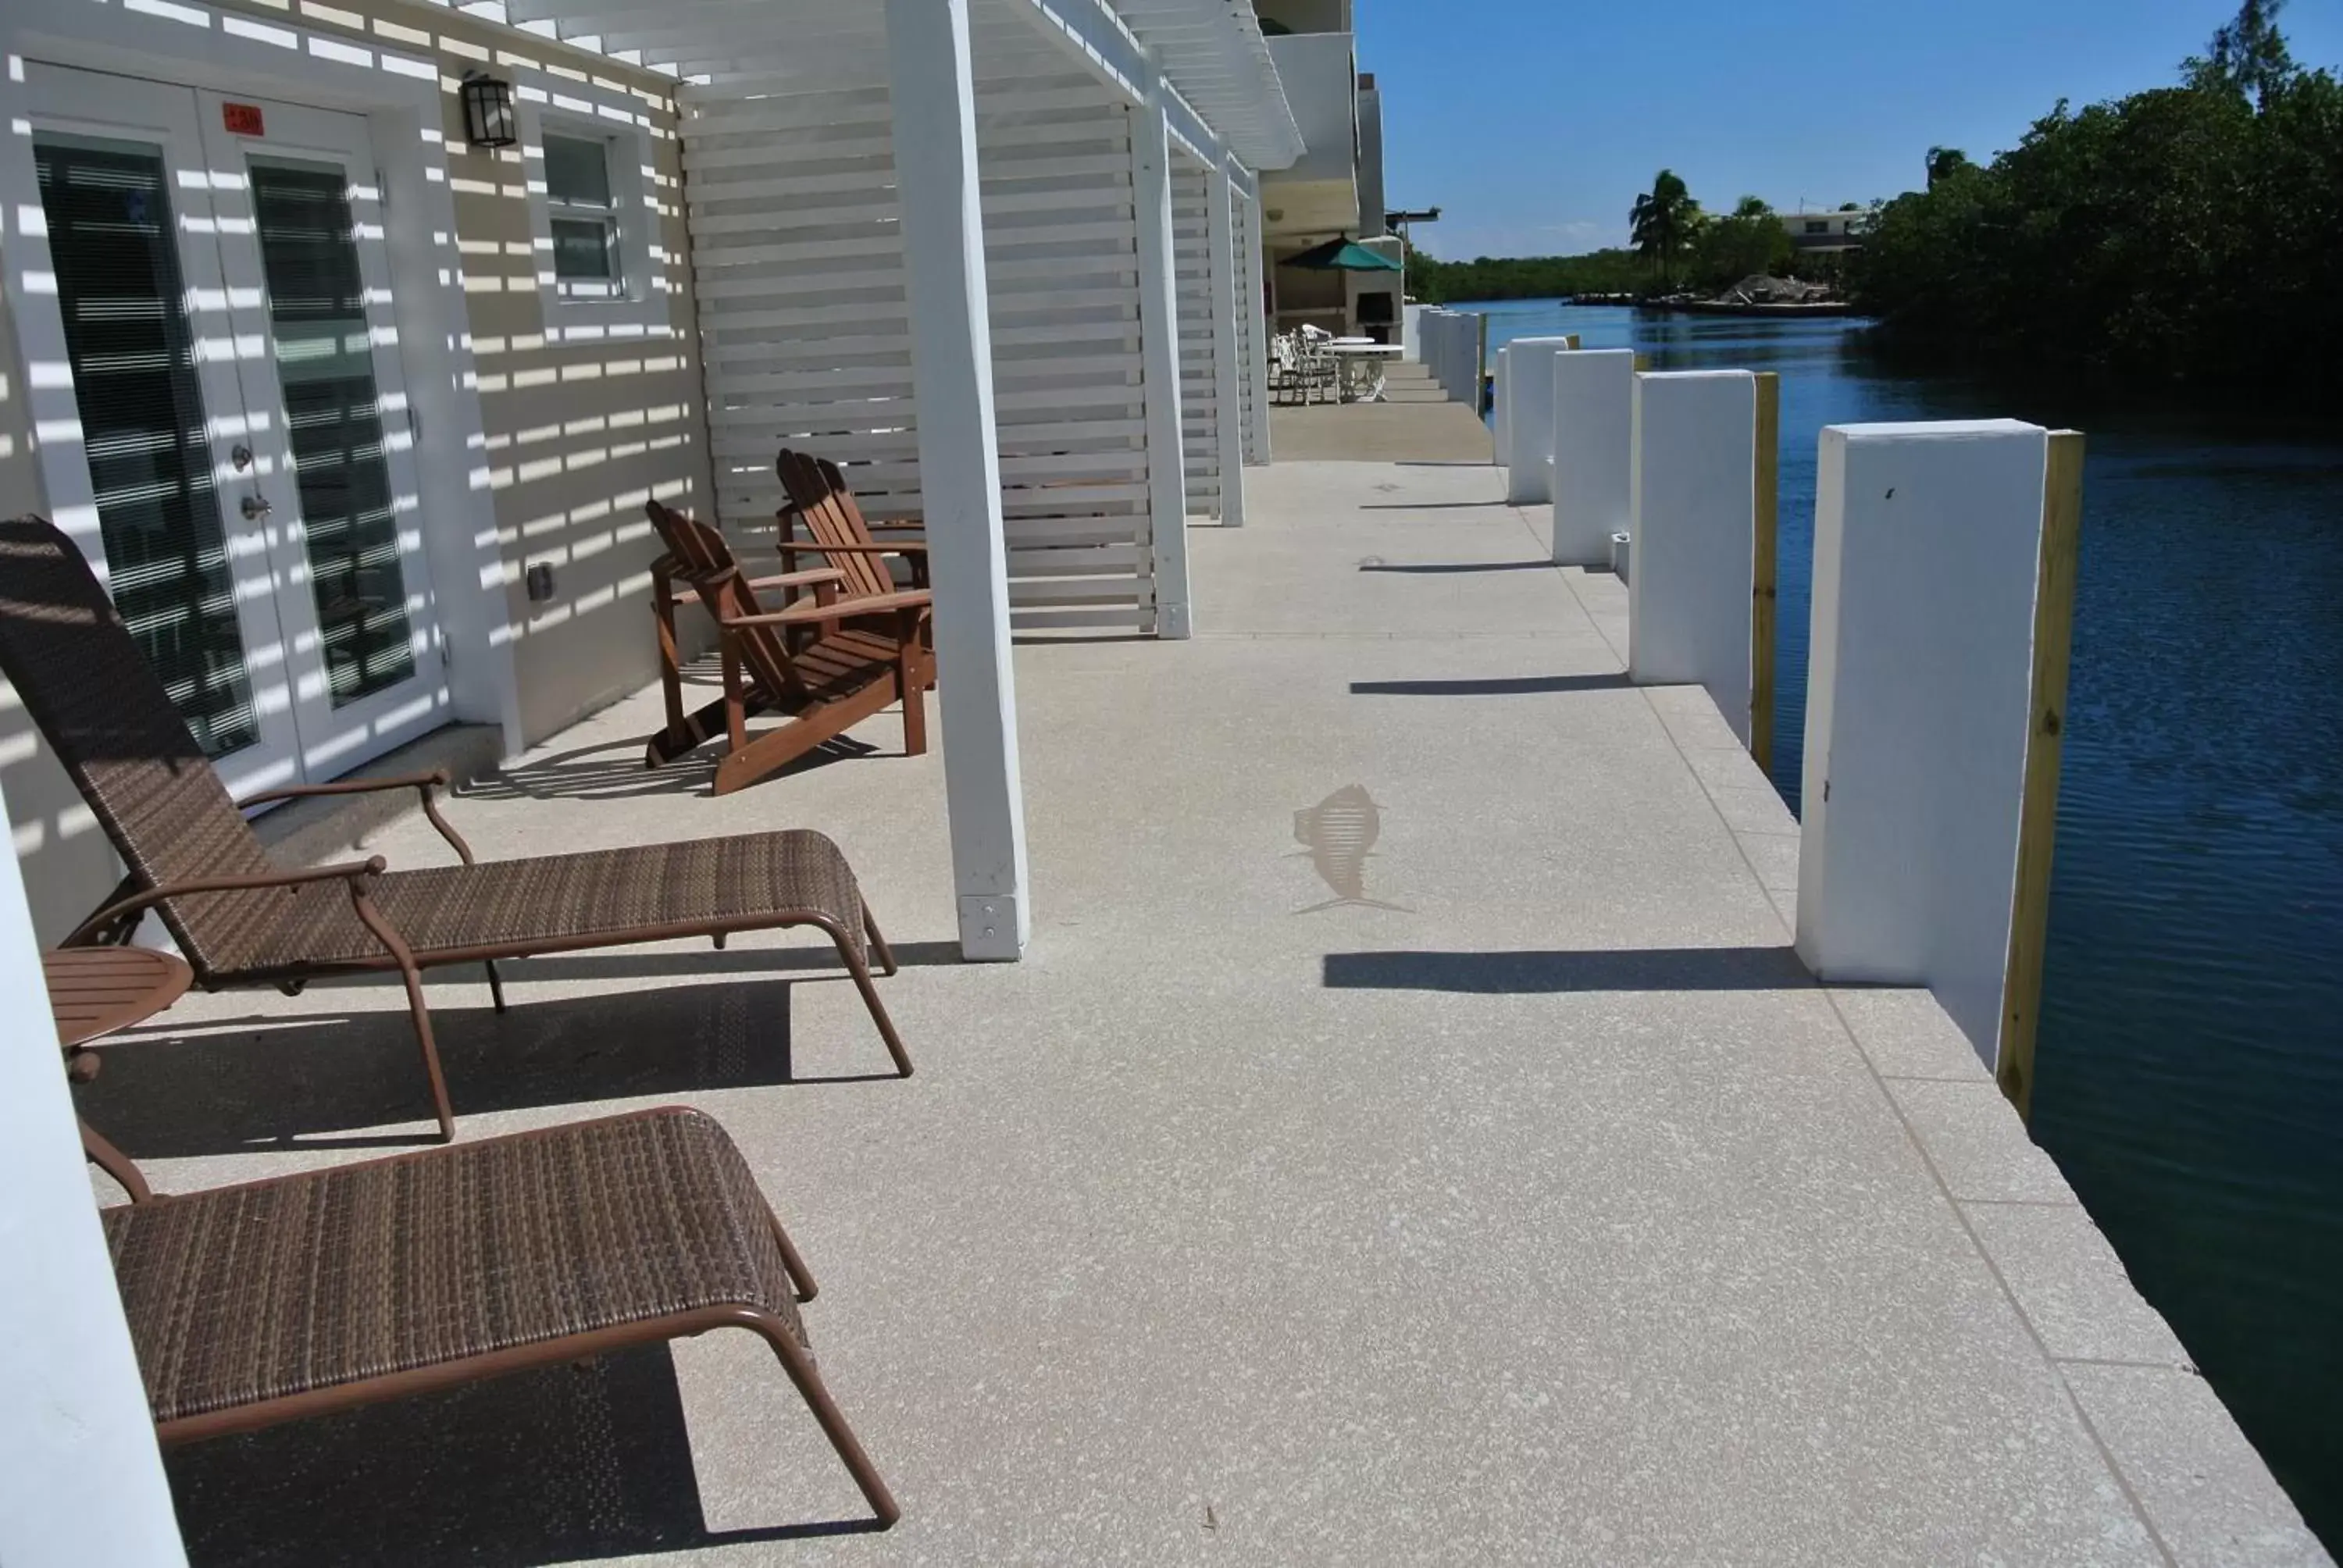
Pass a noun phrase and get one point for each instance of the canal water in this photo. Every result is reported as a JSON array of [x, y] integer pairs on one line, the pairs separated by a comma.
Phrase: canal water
[[2189, 1074]]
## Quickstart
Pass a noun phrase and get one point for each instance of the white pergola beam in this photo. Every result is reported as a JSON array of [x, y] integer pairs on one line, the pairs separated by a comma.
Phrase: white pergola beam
[[934, 94], [1213, 53], [1092, 31], [1189, 127], [1228, 96]]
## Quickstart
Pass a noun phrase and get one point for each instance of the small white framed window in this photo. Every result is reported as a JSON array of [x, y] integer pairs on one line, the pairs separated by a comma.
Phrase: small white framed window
[[594, 221], [581, 218]]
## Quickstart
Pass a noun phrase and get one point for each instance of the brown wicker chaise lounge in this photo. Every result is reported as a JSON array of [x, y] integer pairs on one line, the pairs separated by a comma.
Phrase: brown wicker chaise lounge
[[862, 652], [305, 1295], [241, 919]]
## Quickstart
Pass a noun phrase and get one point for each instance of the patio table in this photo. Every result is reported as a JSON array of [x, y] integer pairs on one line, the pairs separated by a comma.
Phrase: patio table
[[1361, 367]]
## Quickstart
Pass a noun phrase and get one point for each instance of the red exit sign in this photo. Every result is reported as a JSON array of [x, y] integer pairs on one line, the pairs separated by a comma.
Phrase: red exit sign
[[241, 119]]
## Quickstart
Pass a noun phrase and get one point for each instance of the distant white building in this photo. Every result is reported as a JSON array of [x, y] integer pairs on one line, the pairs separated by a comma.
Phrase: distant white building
[[1336, 188], [1824, 233]]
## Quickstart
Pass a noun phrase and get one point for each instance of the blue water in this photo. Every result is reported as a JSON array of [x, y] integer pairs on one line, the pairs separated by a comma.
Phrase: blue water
[[2189, 1072]]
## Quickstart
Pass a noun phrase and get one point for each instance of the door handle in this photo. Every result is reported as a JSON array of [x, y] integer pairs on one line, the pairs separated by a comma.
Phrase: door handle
[[255, 508]]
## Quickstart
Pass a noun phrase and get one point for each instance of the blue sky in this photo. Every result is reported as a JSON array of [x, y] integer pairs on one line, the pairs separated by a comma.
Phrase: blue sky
[[1532, 123]]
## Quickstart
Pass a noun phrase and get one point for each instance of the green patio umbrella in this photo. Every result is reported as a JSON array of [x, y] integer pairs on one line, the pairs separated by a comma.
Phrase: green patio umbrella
[[1340, 255]]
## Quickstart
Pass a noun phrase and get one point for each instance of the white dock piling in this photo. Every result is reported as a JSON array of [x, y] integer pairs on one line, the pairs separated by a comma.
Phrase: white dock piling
[[1693, 505], [1594, 453], [1526, 417], [1930, 545]]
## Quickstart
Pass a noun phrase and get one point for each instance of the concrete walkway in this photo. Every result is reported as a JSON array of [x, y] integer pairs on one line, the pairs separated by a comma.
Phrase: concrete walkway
[[1418, 425], [1508, 1194]]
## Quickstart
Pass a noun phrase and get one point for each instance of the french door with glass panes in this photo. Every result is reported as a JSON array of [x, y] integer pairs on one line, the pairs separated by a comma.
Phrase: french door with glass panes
[[244, 480]]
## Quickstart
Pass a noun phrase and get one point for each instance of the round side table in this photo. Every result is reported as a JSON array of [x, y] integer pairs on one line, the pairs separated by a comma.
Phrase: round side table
[[93, 991]]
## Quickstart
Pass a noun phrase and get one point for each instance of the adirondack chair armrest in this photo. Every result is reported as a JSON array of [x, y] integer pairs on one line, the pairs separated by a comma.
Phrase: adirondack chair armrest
[[904, 548], [354, 872], [427, 785], [847, 608], [812, 577]]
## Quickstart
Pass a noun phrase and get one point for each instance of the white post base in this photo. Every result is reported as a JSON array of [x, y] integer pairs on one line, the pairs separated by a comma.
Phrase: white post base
[[992, 929]]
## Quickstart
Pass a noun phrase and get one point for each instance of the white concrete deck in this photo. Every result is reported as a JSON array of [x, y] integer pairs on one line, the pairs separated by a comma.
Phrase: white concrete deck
[[1554, 1215]]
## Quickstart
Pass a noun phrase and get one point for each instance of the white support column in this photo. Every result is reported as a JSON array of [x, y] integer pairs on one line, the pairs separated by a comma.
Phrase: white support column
[[959, 466], [81, 1478], [1159, 332], [1256, 300], [1927, 541], [1528, 392], [1594, 453], [1694, 502], [1227, 346]]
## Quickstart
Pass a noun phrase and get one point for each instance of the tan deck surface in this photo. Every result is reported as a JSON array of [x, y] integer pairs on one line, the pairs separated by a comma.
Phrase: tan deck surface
[[1540, 1210], [1416, 425]]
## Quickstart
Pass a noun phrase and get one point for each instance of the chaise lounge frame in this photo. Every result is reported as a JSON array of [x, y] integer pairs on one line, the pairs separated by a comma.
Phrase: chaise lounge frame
[[306, 1294], [240, 920]]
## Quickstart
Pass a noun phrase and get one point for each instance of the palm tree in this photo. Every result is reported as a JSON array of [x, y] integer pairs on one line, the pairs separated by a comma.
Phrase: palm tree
[[2250, 53], [1663, 220]]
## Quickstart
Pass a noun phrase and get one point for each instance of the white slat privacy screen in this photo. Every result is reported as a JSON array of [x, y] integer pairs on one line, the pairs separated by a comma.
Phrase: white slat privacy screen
[[1192, 258], [795, 226], [1062, 246], [1251, 345]]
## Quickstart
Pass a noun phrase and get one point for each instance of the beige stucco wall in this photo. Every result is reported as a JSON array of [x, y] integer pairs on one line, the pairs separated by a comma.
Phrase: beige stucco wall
[[68, 867], [578, 434]]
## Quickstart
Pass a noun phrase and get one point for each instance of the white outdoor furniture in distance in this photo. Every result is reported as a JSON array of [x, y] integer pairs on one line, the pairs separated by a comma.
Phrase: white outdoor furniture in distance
[[1361, 361]]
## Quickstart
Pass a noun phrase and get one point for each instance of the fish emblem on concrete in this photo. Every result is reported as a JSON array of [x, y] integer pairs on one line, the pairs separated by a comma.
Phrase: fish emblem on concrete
[[1339, 835]]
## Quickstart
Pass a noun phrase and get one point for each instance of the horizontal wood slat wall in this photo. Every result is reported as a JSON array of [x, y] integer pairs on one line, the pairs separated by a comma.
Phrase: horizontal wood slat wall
[[1192, 273], [797, 262], [1250, 343]]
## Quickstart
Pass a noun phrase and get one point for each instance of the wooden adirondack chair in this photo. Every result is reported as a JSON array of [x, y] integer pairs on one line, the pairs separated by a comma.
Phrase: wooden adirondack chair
[[861, 653], [823, 504]]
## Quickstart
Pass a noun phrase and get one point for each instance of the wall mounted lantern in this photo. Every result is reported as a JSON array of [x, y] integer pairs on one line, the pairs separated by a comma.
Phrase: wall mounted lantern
[[489, 112]]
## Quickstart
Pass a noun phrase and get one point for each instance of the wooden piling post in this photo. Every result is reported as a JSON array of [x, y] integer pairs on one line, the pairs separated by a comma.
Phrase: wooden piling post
[[1481, 391], [2053, 625], [1767, 481]]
